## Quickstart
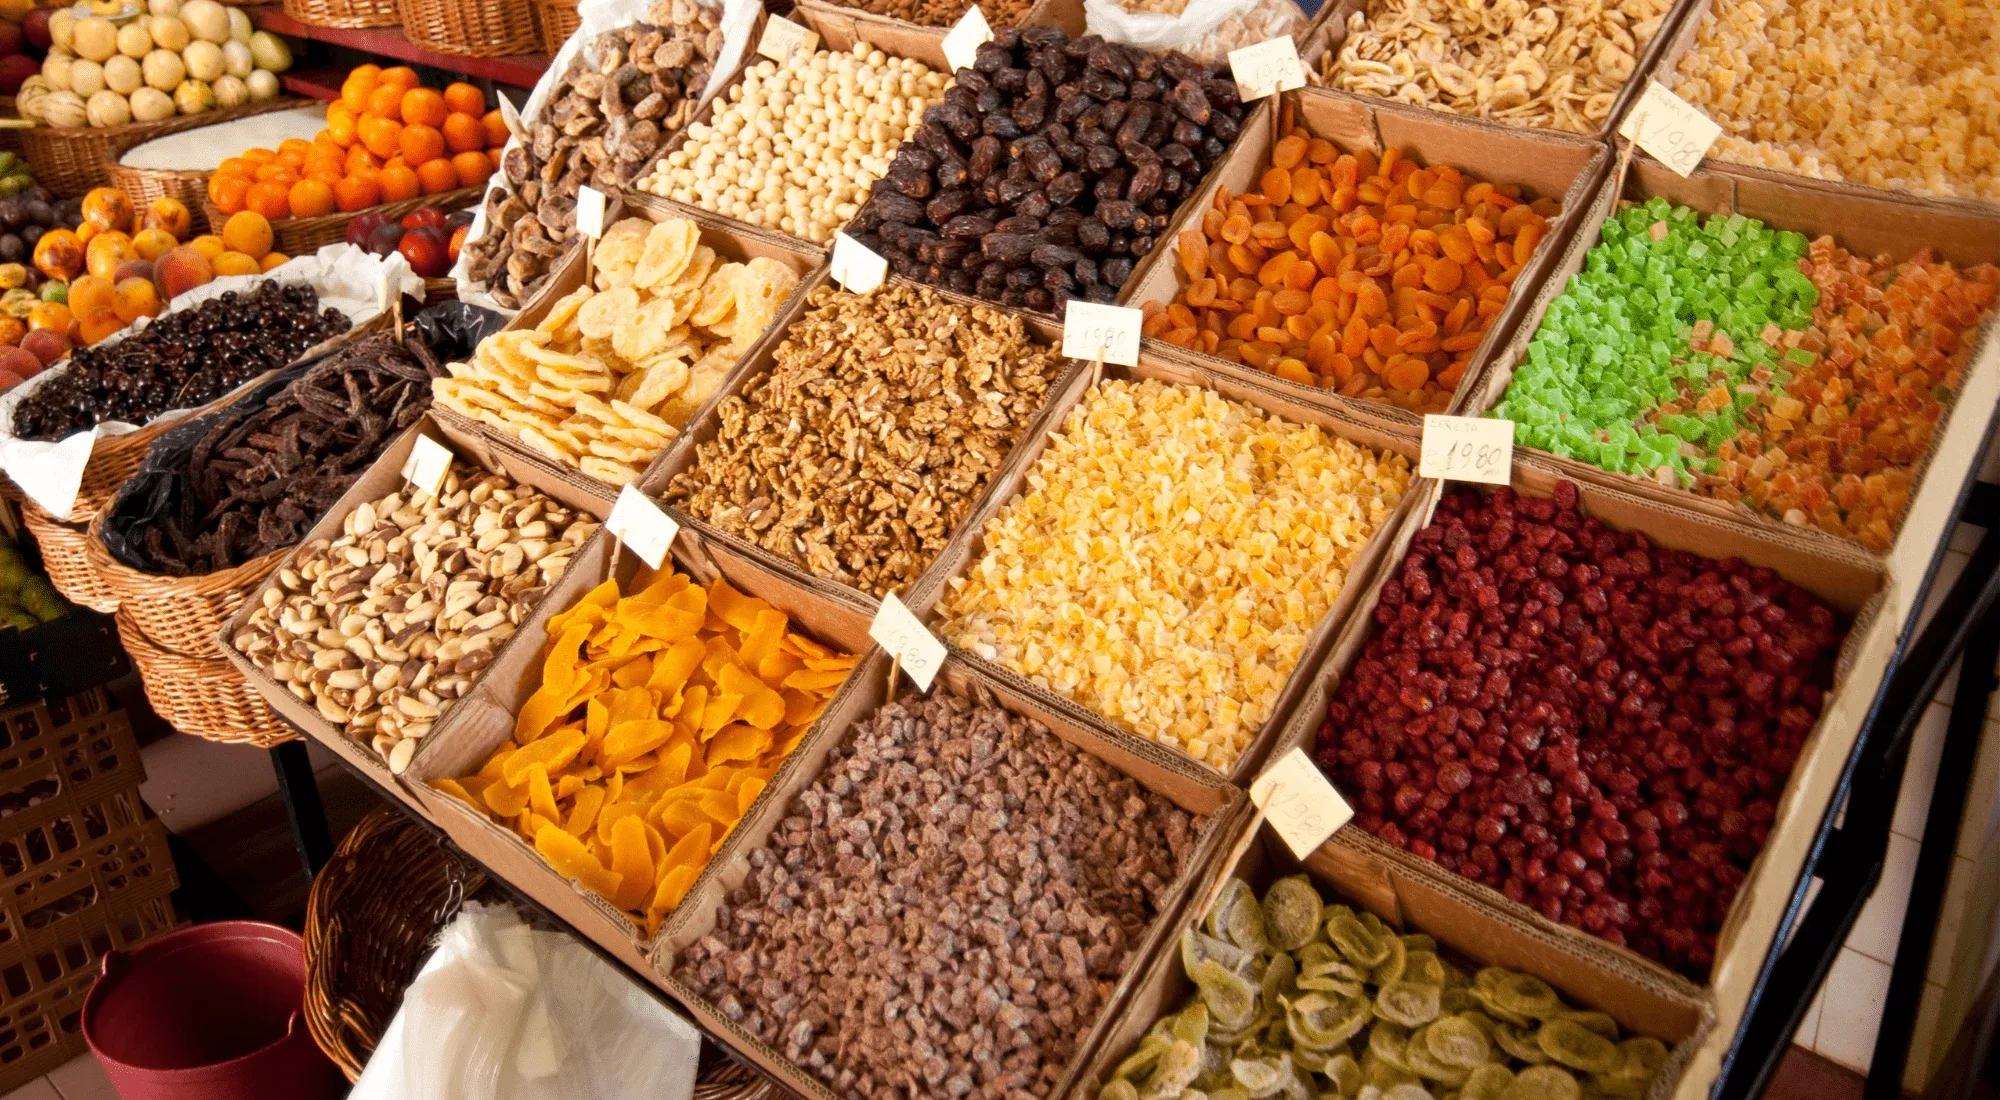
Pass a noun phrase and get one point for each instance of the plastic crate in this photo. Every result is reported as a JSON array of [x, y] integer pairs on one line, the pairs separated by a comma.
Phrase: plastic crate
[[60, 757], [129, 869]]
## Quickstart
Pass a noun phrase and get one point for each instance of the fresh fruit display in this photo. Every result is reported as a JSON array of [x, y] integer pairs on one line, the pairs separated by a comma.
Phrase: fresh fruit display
[[173, 59], [27, 599], [386, 140], [16, 65], [34, 312], [428, 238]]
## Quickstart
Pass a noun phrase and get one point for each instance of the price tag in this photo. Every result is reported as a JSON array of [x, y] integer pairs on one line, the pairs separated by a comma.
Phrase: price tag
[[1091, 329], [590, 212], [856, 267], [429, 461], [511, 115], [897, 629], [1468, 448], [642, 526], [1269, 67], [1670, 128], [962, 44], [1299, 802], [783, 38]]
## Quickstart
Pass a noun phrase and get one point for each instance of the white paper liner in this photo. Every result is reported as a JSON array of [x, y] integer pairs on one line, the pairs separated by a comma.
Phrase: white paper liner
[[204, 149], [346, 278], [597, 17]]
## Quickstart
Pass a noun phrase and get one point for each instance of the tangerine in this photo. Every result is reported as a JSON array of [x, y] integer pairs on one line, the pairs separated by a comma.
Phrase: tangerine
[[97, 324], [268, 200], [272, 259], [465, 99], [423, 107], [386, 100], [437, 176], [276, 170], [209, 245], [328, 174], [311, 198], [401, 76], [360, 83], [90, 293], [240, 166], [237, 263], [298, 147], [356, 193], [398, 182], [420, 144], [463, 133], [248, 233], [361, 162], [258, 155], [340, 127], [380, 135], [472, 168], [496, 129], [228, 191]]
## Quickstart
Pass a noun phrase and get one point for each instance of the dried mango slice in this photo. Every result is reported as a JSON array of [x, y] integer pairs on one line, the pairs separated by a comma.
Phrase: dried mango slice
[[633, 738], [673, 886], [570, 859], [632, 861], [738, 742], [583, 812], [457, 790], [542, 796], [673, 666], [506, 800], [733, 607], [551, 753]]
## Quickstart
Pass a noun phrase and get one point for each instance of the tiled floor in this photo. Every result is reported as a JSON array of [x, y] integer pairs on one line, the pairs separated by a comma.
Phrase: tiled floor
[[82, 1079]]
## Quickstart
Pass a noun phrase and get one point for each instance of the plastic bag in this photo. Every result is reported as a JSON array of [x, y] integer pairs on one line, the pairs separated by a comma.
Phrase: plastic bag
[[1206, 30], [503, 1011], [454, 329]]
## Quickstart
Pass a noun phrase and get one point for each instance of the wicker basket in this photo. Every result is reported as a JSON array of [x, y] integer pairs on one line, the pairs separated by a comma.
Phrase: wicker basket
[[440, 290], [371, 920], [471, 28], [180, 614], [305, 236], [343, 13], [66, 560], [557, 20], [10, 140], [72, 161], [202, 696]]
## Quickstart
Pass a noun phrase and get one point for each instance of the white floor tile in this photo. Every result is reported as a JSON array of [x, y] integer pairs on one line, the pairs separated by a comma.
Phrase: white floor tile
[[1958, 891], [1855, 989], [37, 1089], [83, 1079], [1881, 922], [1913, 802], [1808, 1031]]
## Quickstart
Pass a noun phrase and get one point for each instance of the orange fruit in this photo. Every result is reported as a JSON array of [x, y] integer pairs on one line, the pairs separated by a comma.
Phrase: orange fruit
[[237, 263], [423, 107], [340, 120], [361, 81], [420, 144], [496, 129], [49, 315], [311, 198], [271, 260], [209, 245], [86, 231], [462, 133], [401, 76], [227, 191], [90, 293], [298, 146], [472, 168], [267, 200], [360, 161], [386, 100], [151, 244], [465, 99], [328, 174], [98, 324], [276, 170], [355, 193], [248, 233], [380, 135], [398, 182], [237, 166], [258, 155], [437, 176]]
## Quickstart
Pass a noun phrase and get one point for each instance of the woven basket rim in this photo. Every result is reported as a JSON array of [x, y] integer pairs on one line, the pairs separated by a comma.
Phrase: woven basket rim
[[131, 583], [165, 125]]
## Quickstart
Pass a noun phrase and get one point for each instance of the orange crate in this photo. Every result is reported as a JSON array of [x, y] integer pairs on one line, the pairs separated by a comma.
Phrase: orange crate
[[41, 908]]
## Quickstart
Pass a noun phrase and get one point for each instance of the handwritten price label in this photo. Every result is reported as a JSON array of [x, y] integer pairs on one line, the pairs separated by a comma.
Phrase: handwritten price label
[[1669, 128], [1092, 329], [897, 629], [856, 267], [1269, 67], [962, 44], [1299, 802], [783, 38], [511, 115], [1468, 448], [642, 526], [590, 212], [427, 465]]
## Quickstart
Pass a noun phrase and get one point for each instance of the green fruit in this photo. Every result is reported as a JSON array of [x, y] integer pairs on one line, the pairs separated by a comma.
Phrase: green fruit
[[14, 185], [9, 161], [55, 290]]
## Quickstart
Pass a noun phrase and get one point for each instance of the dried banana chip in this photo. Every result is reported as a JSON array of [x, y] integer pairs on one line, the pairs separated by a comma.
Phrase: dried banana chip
[[1487, 1082], [1291, 910], [1571, 1044], [1543, 1083], [1519, 1042]]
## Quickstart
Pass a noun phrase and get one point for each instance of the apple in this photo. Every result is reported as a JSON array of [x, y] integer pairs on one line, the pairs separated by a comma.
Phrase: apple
[[36, 27]]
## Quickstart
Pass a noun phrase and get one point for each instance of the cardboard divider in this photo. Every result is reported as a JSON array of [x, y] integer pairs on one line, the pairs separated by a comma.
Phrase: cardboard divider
[[484, 720], [381, 479], [732, 242], [1400, 886], [681, 457], [1187, 784], [1549, 163], [1378, 435], [1670, 1012], [1867, 224]]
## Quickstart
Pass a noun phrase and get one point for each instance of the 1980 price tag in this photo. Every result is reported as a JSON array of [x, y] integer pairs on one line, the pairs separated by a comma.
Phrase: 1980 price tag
[[856, 267], [590, 212], [897, 629], [1669, 128], [429, 461], [1269, 67], [783, 38], [1299, 802], [962, 44], [1468, 448], [642, 526], [1092, 329]]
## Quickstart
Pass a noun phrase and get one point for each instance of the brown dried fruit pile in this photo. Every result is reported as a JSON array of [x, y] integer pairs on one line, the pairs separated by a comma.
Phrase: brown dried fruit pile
[[873, 434], [947, 907], [601, 129]]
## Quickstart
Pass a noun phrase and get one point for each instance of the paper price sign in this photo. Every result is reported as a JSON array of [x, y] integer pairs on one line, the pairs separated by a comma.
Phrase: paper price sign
[[897, 629], [1092, 330], [641, 525], [1299, 802], [511, 115], [1269, 67], [856, 267], [427, 465], [962, 44], [1669, 128], [783, 38], [590, 212], [1468, 448]]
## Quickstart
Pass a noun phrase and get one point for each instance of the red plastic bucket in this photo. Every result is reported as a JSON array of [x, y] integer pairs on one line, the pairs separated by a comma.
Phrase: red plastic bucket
[[213, 1012]]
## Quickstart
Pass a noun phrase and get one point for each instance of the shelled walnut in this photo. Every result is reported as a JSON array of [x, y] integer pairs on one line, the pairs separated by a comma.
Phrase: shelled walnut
[[612, 112], [383, 627]]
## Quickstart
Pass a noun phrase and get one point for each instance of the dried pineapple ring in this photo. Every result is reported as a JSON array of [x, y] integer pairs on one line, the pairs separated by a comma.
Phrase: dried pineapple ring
[[600, 316], [670, 245]]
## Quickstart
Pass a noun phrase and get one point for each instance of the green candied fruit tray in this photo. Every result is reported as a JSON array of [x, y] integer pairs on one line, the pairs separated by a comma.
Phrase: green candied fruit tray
[[1633, 364]]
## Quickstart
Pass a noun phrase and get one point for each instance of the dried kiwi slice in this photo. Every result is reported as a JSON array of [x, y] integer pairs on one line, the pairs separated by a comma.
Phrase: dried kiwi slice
[[1408, 1003], [1144, 1058], [1322, 1022], [1486, 1024], [1195, 947], [1379, 1074], [1600, 1022], [1543, 1083], [1487, 1082], [1571, 1044], [1644, 1055], [1526, 995], [1291, 913], [1345, 1074], [1119, 1089], [1259, 1077], [1176, 1070], [1387, 1041], [1455, 1041], [1238, 918], [1624, 1088], [1408, 1092], [1520, 1042], [1391, 968], [1231, 1000], [1191, 1023], [1280, 978], [1417, 1053], [1422, 967], [1355, 941]]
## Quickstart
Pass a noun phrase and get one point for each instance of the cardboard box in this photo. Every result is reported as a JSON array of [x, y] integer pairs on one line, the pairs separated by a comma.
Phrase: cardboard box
[[1376, 435], [1188, 785], [484, 720], [381, 479], [1868, 223], [1400, 886], [1544, 162], [1587, 975]]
